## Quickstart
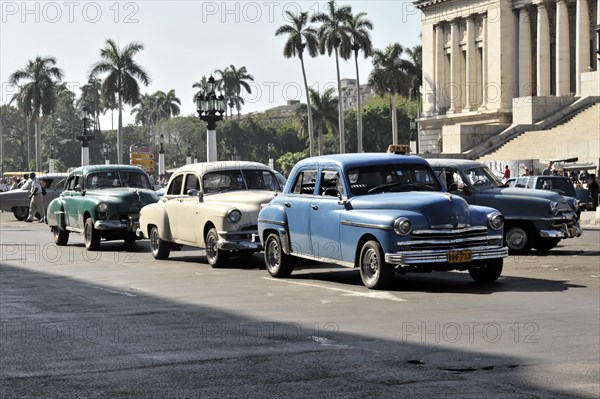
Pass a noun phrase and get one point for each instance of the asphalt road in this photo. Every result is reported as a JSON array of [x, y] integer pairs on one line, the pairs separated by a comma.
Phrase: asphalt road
[[117, 323]]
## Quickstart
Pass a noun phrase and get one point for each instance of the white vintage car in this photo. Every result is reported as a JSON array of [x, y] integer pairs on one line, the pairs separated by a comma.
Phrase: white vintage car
[[211, 205]]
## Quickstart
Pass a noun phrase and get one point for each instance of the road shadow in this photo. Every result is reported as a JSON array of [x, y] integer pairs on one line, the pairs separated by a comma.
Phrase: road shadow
[[70, 338]]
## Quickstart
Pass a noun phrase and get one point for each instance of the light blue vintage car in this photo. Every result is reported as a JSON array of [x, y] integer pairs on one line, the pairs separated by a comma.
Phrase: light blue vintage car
[[381, 213]]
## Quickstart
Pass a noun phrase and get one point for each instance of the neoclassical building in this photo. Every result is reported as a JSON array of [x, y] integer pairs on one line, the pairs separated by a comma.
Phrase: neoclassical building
[[490, 66]]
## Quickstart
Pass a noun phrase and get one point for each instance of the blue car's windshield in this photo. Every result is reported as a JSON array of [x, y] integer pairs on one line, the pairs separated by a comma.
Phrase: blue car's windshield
[[481, 178], [392, 178]]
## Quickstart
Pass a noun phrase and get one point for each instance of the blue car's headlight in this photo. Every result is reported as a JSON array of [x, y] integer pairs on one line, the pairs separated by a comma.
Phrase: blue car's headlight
[[496, 220], [402, 226], [553, 207]]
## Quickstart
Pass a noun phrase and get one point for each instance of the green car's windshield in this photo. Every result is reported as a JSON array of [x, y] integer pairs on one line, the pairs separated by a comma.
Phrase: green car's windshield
[[392, 178], [113, 179], [481, 177]]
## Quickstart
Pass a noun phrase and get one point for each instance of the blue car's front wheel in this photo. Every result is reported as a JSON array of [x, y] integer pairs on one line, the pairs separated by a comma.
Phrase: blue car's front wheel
[[374, 271], [277, 262]]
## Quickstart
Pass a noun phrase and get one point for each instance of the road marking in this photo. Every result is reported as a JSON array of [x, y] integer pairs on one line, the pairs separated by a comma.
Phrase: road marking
[[112, 291], [371, 294], [328, 343]]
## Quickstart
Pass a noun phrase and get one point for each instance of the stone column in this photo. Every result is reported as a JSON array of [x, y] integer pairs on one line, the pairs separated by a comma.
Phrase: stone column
[[582, 42], [455, 86], [563, 74], [543, 51], [471, 79], [525, 71], [484, 70], [439, 69]]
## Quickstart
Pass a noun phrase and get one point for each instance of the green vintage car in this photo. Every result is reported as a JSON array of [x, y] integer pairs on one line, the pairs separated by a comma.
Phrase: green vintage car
[[102, 202]]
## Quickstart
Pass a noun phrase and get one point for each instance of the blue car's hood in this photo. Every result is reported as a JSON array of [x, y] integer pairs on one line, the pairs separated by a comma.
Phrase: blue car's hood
[[439, 208]]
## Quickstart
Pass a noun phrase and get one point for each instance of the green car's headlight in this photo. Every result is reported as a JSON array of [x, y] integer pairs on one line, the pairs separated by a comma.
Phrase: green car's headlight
[[496, 220], [102, 207], [402, 226], [234, 215]]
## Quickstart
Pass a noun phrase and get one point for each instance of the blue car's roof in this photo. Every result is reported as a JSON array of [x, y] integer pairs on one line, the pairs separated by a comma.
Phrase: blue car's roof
[[346, 161]]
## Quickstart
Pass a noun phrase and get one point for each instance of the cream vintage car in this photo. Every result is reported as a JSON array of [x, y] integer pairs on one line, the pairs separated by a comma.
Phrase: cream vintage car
[[211, 205]]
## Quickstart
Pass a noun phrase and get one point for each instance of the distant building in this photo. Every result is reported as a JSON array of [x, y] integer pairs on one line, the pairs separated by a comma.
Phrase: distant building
[[348, 96], [490, 66], [283, 112]]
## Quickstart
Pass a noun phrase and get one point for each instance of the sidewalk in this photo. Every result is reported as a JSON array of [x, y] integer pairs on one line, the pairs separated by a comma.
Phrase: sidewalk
[[590, 219]]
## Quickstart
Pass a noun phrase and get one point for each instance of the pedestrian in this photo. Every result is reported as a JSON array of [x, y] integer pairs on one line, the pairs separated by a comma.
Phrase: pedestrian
[[593, 189], [506, 172], [4, 185], [526, 173], [36, 204], [15, 183], [25, 183], [548, 170]]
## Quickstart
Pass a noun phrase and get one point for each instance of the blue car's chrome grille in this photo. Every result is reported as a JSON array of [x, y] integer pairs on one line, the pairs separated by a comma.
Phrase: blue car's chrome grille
[[450, 238]]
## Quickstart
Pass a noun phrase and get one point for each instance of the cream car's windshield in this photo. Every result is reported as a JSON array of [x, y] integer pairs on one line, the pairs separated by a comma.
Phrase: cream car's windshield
[[248, 179]]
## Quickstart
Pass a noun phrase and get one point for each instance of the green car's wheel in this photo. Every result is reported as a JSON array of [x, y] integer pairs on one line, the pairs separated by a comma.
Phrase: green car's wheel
[[91, 235], [61, 237]]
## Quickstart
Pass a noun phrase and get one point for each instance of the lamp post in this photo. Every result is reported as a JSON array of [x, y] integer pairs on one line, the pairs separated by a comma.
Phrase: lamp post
[[413, 135], [85, 139], [105, 152], [188, 158], [211, 109], [270, 149], [51, 161], [161, 157]]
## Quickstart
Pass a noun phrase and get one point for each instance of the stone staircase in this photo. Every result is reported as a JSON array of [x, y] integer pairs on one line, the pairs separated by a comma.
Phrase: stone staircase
[[573, 130]]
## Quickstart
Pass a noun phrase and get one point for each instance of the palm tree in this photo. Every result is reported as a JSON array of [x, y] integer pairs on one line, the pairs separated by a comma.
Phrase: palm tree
[[145, 110], [334, 37], [122, 75], [168, 103], [201, 85], [358, 29], [324, 113], [389, 76], [37, 94], [239, 80], [91, 99], [225, 84], [299, 38]]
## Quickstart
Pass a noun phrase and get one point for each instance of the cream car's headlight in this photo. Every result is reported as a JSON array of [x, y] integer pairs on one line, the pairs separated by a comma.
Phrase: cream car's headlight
[[496, 220], [402, 226], [234, 215]]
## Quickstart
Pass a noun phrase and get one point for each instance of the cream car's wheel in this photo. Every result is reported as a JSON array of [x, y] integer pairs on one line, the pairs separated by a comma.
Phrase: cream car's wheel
[[160, 249], [91, 235], [216, 257], [374, 272], [277, 262]]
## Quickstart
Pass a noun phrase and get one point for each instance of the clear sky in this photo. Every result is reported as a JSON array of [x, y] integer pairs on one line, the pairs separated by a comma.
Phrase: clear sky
[[185, 40]]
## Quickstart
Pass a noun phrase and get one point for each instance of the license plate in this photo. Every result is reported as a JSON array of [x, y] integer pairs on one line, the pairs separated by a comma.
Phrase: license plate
[[462, 256]]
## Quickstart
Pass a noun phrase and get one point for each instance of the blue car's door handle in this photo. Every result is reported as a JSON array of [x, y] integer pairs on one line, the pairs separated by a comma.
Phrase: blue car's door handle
[[287, 204], [315, 207]]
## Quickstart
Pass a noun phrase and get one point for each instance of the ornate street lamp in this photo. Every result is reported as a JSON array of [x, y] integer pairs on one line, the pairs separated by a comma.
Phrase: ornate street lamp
[[105, 153], [161, 157], [85, 139], [211, 109]]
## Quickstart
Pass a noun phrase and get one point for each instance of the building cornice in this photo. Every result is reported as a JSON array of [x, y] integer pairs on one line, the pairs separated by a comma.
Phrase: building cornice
[[426, 3]]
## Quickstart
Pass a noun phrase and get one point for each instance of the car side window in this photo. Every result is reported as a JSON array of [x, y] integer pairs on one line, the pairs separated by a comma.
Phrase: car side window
[[191, 183], [305, 182], [330, 184], [175, 186]]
